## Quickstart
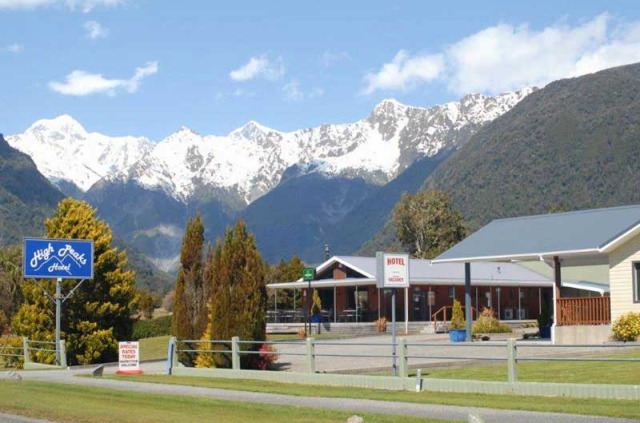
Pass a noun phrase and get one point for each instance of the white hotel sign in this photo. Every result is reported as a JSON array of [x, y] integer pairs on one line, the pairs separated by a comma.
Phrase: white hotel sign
[[392, 270]]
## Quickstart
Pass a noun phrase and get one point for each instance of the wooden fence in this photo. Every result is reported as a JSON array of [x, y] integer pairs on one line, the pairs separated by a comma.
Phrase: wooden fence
[[584, 311]]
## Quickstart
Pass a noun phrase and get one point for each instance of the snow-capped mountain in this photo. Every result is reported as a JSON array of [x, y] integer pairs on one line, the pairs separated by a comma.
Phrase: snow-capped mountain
[[146, 190], [65, 152], [250, 161]]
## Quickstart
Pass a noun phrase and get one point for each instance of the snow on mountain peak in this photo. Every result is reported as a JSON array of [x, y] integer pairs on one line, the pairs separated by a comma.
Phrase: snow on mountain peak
[[251, 130], [63, 124], [251, 160], [63, 151]]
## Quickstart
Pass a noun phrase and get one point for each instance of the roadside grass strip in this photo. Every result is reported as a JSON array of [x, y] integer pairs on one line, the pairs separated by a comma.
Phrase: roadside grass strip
[[618, 373], [80, 404], [154, 348], [592, 407]]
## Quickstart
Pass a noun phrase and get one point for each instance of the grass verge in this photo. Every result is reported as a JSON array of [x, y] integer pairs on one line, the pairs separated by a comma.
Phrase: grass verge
[[154, 348], [595, 407], [619, 373], [80, 404]]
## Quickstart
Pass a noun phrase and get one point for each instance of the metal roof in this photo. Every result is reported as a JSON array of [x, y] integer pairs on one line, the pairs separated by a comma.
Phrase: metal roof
[[424, 272], [586, 233]]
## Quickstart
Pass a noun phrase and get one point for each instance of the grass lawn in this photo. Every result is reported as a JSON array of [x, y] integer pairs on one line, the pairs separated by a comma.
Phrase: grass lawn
[[79, 404], [551, 371], [154, 348], [596, 407]]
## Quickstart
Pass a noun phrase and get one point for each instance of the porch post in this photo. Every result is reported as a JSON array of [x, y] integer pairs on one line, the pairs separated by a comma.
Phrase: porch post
[[539, 301], [357, 298], [557, 270], [335, 306], [519, 302], [467, 298], [477, 305], [406, 310], [378, 303], [294, 299]]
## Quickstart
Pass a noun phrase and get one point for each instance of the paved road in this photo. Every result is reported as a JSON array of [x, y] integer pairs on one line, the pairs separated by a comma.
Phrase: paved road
[[11, 418], [353, 405]]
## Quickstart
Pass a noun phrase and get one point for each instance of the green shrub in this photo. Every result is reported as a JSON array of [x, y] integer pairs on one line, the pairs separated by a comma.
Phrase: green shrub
[[627, 327], [151, 328], [544, 319], [487, 323], [457, 318]]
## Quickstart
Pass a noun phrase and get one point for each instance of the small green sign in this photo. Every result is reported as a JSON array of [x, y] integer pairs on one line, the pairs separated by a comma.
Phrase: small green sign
[[308, 274]]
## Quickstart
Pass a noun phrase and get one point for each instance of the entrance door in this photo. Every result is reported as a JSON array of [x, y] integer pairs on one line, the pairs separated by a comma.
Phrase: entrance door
[[419, 306]]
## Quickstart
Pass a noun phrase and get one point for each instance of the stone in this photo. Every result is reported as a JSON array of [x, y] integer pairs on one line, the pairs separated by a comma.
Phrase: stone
[[97, 372], [474, 418], [12, 375], [355, 419]]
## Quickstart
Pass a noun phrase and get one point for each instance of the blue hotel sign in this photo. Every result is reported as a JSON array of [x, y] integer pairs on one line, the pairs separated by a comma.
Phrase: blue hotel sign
[[57, 258]]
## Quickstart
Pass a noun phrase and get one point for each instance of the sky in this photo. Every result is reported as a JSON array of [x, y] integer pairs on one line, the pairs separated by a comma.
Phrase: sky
[[148, 67]]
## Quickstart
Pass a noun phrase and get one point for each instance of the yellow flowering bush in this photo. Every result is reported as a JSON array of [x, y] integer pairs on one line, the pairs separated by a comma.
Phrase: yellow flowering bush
[[11, 346], [627, 327]]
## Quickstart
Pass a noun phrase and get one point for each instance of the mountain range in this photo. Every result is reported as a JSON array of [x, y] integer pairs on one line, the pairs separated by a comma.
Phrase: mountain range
[[294, 189], [571, 145]]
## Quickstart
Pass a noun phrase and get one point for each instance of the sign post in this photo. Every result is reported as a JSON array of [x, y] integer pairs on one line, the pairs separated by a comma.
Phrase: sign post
[[57, 259], [308, 274], [392, 272]]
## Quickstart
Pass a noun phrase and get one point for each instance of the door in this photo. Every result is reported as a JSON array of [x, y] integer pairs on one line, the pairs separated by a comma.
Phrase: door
[[419, 306]]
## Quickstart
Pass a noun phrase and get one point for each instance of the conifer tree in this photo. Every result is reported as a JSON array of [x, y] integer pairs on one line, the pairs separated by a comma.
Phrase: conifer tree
[[10, 281], [238, 297], [207, 282], [189, 300], [98, 315]]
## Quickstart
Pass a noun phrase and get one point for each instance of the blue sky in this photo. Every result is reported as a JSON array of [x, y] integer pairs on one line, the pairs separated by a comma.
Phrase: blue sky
[[146, 67]]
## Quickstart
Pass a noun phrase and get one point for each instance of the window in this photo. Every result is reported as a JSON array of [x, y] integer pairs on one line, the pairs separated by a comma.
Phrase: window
[[636, 282], [452, 292]]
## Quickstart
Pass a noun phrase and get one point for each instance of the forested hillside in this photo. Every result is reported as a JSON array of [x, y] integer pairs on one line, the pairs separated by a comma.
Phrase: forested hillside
[[26, 197], [574, 144]]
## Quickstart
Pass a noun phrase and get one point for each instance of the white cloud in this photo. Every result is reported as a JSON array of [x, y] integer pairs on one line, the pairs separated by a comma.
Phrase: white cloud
[[292, 92], [405, 72], [14, 48], [329, 58], [259, 67], [95, 30], [81, 83], [505, 57], [83, 5]]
